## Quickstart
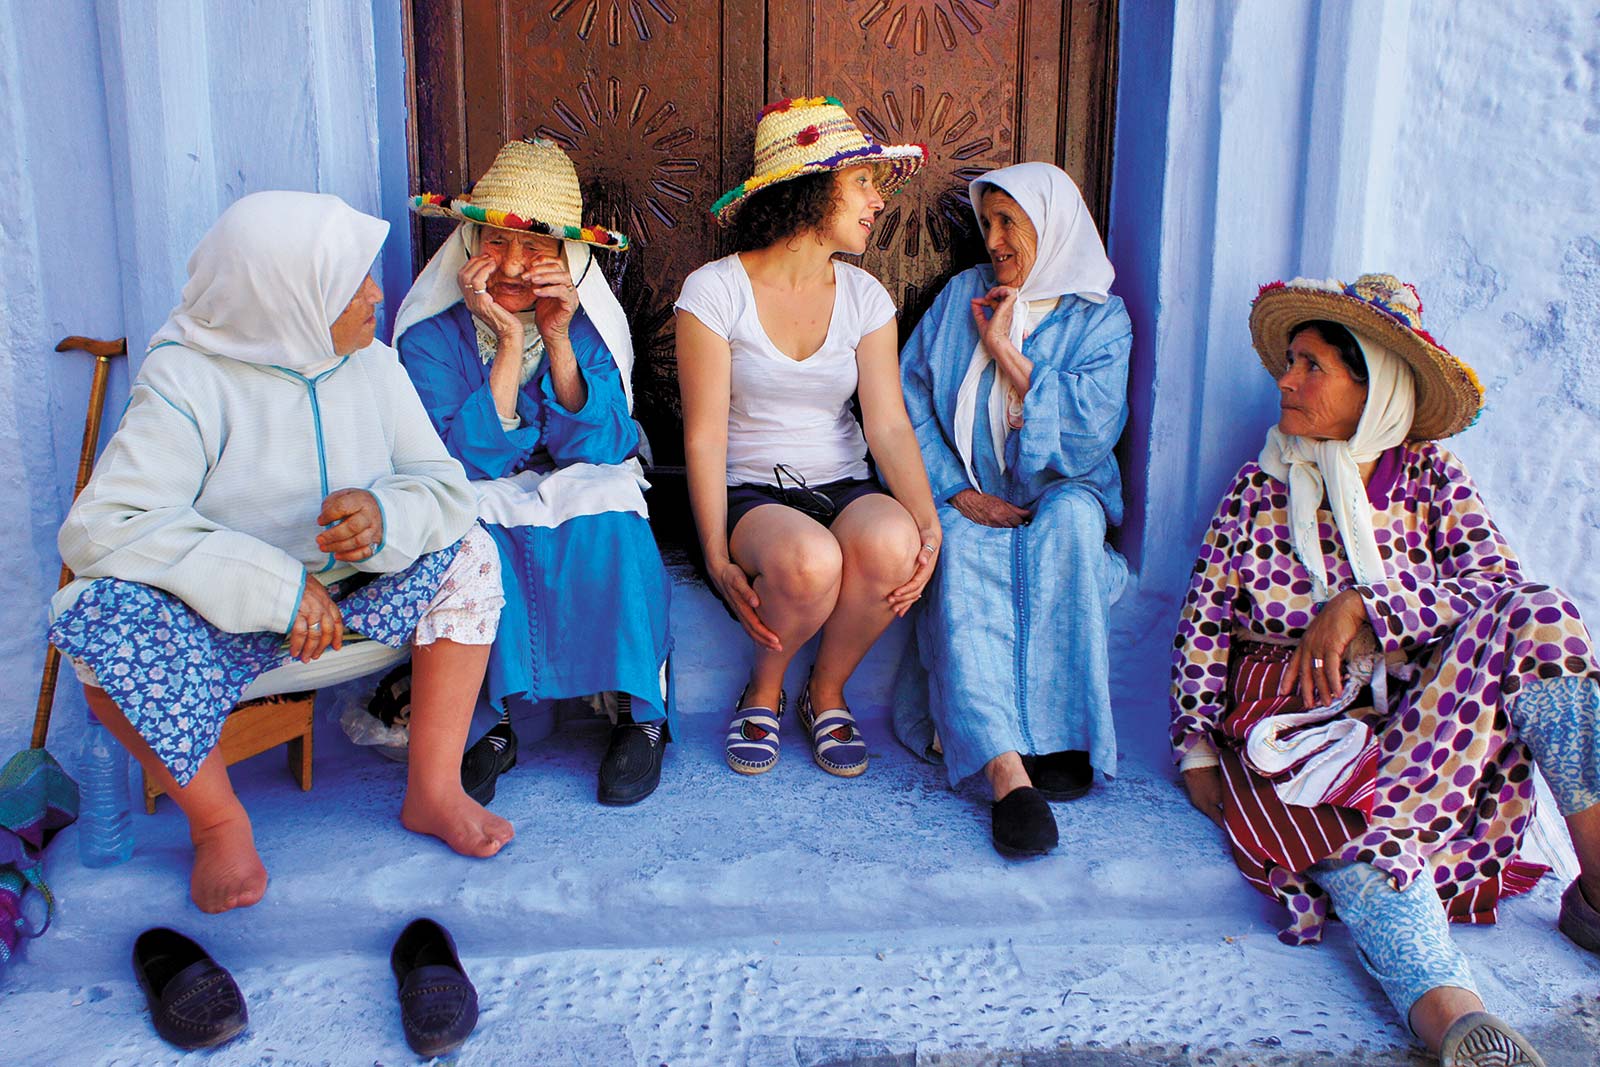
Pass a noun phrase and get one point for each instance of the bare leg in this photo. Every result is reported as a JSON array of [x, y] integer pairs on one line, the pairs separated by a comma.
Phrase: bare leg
[[795, 567], [878, 542], [1585, 830], [1006, 773], [227, 872], [445, 678], [1437, 1010]]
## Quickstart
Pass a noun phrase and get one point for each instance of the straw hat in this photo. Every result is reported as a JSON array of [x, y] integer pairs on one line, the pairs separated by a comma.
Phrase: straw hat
[[1387, 310], [810, 135], [531, 185]]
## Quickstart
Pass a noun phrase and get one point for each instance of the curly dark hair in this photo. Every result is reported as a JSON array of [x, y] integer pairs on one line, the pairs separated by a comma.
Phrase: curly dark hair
[[784, 209]]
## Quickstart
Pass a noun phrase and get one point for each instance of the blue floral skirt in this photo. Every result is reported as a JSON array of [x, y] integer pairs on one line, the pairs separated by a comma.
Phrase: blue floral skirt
[[177, 677]]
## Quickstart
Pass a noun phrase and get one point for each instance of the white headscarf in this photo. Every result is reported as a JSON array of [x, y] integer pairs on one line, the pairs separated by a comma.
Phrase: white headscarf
[[269, 278], [436, 289], [1070, 259], [1308, 467]]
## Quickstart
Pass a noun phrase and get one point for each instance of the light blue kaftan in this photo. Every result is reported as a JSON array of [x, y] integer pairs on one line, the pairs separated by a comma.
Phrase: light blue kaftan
[[1011, 640], [586, 601]]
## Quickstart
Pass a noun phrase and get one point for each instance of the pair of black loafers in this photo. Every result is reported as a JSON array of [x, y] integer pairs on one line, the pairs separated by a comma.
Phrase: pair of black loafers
[[196, 1004], [629, 772], [1022, 824]]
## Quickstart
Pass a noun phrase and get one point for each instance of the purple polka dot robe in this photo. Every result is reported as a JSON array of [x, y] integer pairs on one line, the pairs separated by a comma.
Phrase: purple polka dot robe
[[1463, 631]]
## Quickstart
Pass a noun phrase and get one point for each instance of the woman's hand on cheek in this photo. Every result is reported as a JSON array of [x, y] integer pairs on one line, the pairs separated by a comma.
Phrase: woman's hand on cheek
[[556, 299], [473, 280]]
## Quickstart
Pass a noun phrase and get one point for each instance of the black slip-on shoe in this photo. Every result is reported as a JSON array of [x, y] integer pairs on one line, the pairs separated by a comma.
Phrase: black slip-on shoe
[[438, 1004], [1023, 825], [486, 760], [194, 1002], [631, 769], [1060, 775]]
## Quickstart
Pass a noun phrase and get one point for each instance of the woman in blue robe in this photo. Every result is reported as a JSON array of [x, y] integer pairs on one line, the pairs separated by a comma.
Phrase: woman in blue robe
[[1016, 381], [521, 369]]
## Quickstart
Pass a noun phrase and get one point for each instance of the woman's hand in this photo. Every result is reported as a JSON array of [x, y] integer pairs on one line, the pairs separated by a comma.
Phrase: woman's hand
[[1204, 785], [901, 599], [992, 314], [986, 510], [1316, 666], [318, 625], [733, 585], [473, 280], [557, 298], [356, 528]]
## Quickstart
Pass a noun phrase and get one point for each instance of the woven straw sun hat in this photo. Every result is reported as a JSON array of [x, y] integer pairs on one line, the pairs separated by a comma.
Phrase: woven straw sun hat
[[809, 135], [531, 185], [1387, 310]]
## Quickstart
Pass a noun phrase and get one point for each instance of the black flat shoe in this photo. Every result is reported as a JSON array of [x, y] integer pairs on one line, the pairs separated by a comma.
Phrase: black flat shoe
[[631, 769], [1060, 775], [1023, 825], [438, 1004], [490, 756], [194, 1002]]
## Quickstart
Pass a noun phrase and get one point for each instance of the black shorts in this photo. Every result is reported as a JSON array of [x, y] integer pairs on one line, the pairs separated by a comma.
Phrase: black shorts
[[742, 499]]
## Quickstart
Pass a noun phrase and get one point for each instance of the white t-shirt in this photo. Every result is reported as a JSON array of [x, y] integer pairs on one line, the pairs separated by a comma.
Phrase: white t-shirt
[[781, 410]]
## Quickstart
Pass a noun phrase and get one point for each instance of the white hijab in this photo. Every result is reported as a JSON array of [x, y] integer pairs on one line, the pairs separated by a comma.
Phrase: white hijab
[[1070, 260], [269, 278], [436, 289], [1308, 467]]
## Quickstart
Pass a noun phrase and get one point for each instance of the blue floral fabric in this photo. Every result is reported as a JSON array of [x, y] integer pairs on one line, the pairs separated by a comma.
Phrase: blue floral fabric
[[177, 677]]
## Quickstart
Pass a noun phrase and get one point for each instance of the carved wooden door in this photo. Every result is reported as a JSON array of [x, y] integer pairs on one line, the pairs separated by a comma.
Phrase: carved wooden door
[[656, 100]]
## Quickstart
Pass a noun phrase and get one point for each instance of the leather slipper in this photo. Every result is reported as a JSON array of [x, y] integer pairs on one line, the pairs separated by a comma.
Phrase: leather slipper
[[438, 1004], [1023, 825], [1579, 919], [1060, 775], [194, 1002], [1479, 1039]]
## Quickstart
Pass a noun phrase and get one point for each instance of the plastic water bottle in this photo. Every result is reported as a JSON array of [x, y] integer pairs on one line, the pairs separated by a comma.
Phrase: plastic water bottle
[[105, 815]]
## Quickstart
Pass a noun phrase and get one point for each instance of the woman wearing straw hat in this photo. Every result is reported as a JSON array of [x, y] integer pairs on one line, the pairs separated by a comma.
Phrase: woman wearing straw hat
[[773, 341], [215, 565], [523, 360], [1016, 380], [1363, 678]]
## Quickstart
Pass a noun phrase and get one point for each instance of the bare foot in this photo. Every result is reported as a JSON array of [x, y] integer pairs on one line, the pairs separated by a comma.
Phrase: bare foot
[[228, 872], [457, 820]]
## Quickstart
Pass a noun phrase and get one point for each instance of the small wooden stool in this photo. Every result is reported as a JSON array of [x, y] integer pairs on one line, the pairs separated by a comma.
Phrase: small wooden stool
[[255, 726]]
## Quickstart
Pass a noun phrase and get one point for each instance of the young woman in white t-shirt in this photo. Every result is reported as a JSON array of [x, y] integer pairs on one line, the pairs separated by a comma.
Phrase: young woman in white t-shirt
[[773, 342]]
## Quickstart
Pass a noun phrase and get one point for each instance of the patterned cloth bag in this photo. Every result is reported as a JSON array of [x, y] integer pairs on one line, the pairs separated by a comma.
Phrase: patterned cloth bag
[[37, 799]]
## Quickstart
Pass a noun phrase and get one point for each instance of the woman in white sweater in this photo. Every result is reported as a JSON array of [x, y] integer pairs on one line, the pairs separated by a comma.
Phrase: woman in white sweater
[[276, 513]]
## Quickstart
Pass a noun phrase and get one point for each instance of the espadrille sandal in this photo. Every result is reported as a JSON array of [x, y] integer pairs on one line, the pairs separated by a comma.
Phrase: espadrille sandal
[[836, 744], [753, 737], [1479, 1039]]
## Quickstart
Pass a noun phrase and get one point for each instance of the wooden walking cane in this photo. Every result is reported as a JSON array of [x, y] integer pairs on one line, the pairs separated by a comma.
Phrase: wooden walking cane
[[103, 352]]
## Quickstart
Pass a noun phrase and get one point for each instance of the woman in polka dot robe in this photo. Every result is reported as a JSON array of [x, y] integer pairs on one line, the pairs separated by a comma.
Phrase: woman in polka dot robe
[[1356, 550]]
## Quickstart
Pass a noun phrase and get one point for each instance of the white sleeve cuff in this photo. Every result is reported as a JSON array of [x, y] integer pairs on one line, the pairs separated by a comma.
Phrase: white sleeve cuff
[[1201, 755], [509, 424]]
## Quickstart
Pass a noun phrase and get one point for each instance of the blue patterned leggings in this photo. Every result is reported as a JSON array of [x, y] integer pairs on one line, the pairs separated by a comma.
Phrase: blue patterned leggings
[[1404, 937]]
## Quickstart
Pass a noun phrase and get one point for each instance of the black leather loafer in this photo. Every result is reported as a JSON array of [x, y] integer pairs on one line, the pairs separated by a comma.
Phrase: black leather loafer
[[194, 1002], [486, 760], [1023, 825], [438, 1005], [631, 769], [1060, 775]]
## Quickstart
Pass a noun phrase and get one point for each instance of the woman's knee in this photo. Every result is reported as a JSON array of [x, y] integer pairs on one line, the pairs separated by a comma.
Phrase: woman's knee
[[883, 551], [806, 570]]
